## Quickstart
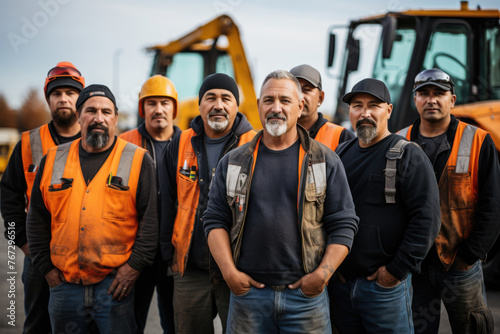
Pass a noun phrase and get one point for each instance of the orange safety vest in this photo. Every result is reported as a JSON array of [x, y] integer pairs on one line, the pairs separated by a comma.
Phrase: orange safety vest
[[188, 194], [458, 190], [329, 134], [93, 227], [34, 145], [133, 136]]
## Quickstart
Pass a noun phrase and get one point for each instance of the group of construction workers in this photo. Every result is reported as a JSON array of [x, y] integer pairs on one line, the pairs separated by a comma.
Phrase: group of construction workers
[[302, 227]]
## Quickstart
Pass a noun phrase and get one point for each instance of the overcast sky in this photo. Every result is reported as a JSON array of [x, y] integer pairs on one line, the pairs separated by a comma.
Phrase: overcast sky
[[36, 34]]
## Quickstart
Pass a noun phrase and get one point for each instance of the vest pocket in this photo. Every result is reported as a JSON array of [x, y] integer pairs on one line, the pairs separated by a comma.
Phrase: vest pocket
[[186, 192], [313, 232], [59, 202], [460, 191], [116, 204], [113, 256], [58, 256]]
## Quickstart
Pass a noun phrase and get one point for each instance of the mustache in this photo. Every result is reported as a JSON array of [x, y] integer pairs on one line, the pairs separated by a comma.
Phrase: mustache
[[97, 126], [365, 121], [218, 113], [275, 115]]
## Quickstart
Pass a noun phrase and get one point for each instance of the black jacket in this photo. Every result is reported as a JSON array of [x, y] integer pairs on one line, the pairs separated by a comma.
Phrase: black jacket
[[168, 187], [147, 141]]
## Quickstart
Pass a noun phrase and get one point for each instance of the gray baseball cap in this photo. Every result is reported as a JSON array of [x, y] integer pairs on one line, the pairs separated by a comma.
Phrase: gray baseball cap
[[308, 73]]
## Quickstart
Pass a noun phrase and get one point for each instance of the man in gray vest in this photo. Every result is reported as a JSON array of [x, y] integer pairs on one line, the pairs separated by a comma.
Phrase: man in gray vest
[[466, 169], [396, 200], [280, 220]]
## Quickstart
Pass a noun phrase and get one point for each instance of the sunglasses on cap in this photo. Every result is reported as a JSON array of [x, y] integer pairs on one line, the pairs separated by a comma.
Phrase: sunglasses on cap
[[66, 71], [433, 76]]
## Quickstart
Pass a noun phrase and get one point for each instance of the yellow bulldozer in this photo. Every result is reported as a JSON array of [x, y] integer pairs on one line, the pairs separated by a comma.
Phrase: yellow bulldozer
[[214, 47]]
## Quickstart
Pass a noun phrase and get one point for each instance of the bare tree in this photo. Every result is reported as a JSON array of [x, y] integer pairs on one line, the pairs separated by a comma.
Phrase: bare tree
[[8, 116], [33, 112]]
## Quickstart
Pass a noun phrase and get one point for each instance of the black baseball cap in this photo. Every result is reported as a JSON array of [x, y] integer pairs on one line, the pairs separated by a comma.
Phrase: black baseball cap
[[369, 86], [308, 73], [434, 77]]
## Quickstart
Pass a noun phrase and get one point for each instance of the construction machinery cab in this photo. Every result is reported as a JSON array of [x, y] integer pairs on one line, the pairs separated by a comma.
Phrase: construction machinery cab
[[215, 47], [396, 46]]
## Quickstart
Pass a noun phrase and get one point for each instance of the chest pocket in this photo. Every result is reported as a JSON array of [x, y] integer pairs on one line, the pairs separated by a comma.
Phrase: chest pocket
[[59, 204], [116, 203]]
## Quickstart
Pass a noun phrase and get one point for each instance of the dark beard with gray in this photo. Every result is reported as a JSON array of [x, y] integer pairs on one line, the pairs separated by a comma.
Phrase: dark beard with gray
[[366, 133], [97, 140]]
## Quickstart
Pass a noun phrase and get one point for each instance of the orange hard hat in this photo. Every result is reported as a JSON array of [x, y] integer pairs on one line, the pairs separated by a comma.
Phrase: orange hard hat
[[157, 85], [65, 74]]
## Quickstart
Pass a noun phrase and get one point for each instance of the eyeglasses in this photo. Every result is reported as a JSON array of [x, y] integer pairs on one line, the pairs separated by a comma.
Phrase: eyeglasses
[[66, 71]]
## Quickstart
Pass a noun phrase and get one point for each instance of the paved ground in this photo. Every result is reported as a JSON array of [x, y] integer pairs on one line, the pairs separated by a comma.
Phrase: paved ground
[[13, 294]]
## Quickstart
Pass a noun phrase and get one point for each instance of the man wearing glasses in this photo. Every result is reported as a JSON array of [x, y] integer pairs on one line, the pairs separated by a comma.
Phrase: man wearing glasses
[[467, 171], [62, 88]]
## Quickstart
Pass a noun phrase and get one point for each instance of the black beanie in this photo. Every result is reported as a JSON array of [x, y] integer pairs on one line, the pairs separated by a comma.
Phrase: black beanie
[[219, 81], [94, 90]]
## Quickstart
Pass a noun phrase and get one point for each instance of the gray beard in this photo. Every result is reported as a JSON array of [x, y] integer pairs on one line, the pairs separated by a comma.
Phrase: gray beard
[[366, 133], [275, 128], [218, 126], [97, 140]]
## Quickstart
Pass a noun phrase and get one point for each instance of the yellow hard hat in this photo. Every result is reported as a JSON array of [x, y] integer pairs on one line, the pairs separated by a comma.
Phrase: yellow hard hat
[[157, 85]]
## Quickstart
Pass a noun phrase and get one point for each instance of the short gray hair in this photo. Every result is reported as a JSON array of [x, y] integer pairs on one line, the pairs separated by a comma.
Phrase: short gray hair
[[282, 74]]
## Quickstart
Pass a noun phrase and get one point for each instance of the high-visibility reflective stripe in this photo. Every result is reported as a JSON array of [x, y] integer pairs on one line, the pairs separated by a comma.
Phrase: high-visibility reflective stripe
[[125, 165], [123, 170], [36, 146], [60, 163], [464, 149]]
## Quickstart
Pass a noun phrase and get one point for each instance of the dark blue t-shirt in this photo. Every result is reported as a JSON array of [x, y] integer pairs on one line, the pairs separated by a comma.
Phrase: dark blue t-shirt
[[271, 251]]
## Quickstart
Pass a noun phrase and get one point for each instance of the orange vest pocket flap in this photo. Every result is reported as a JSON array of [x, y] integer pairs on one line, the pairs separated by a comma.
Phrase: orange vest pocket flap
[[114, 249]]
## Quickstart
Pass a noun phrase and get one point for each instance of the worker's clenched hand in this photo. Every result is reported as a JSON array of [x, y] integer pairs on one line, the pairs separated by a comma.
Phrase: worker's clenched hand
[[123, 282]]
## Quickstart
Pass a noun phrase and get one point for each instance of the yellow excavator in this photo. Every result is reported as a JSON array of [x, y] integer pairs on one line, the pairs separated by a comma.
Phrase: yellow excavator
[[214, 47], [395, 46]]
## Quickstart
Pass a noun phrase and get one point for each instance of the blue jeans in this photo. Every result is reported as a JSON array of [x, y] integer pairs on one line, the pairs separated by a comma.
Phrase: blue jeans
[[362, 306], [287, 311], [72, 307], [36, 299], [462, 292]]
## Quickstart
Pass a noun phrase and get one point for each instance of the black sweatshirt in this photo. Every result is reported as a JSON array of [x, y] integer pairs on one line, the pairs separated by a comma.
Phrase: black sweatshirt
[[397, 235]]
